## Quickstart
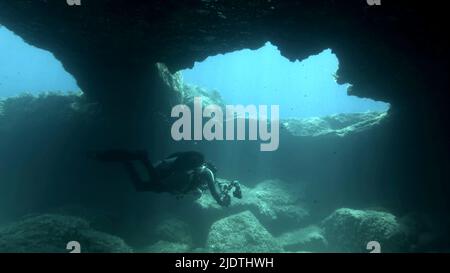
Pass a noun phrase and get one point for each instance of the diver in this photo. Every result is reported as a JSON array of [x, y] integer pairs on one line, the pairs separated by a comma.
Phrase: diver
[[179, 174]]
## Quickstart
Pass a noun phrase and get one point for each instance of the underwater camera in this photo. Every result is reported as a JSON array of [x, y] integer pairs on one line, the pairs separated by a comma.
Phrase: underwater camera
[[216, 135]]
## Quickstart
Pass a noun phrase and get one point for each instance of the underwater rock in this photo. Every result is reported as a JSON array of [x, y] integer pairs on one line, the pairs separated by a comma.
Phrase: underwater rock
[[348, 230], [276, 200], [241, 233], [309, 239], [209, 97], [270, 200], [337, 125], [173, 81], [426, 232], [98, 219], [187, 92], [50, 233], [16, 113], [166, 247], [174, 230]]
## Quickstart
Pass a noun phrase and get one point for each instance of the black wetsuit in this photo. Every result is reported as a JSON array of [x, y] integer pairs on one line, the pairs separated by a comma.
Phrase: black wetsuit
[[174, 174], [180, 173]]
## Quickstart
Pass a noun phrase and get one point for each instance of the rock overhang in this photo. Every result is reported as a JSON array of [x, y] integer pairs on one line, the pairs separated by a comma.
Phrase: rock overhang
[[386, 52]]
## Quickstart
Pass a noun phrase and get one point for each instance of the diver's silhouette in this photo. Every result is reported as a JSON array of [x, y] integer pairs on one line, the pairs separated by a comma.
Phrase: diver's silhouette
[[180, 173]]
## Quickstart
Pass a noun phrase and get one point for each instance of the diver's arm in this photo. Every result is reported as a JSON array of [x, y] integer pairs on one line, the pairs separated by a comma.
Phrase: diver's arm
[[208, 176]]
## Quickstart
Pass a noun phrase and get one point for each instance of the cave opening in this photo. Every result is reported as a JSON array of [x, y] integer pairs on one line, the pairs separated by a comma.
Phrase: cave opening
[[302, 89], [25, 69]]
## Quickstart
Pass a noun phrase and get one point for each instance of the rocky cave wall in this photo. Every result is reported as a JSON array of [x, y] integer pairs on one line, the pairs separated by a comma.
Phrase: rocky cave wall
[[389, 52]]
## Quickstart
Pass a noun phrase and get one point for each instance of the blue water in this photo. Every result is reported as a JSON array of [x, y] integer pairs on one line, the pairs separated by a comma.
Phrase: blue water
[[302, 89], [27, 69]]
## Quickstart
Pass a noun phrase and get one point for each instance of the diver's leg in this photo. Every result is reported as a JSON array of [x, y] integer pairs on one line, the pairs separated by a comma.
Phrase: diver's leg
[[126, 156], [139, 183], [152, 173], [117, 155]]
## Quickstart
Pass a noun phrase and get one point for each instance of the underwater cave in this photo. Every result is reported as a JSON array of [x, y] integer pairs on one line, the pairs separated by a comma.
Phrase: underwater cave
[[362, 148]]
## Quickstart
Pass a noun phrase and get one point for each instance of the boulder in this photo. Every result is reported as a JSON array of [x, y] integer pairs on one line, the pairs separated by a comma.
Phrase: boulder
[[309, 239], [272, 201], [98, 219], [166, 247], [50, 233], [349, 230], [174, 230], [241, 233], [276, 200]]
